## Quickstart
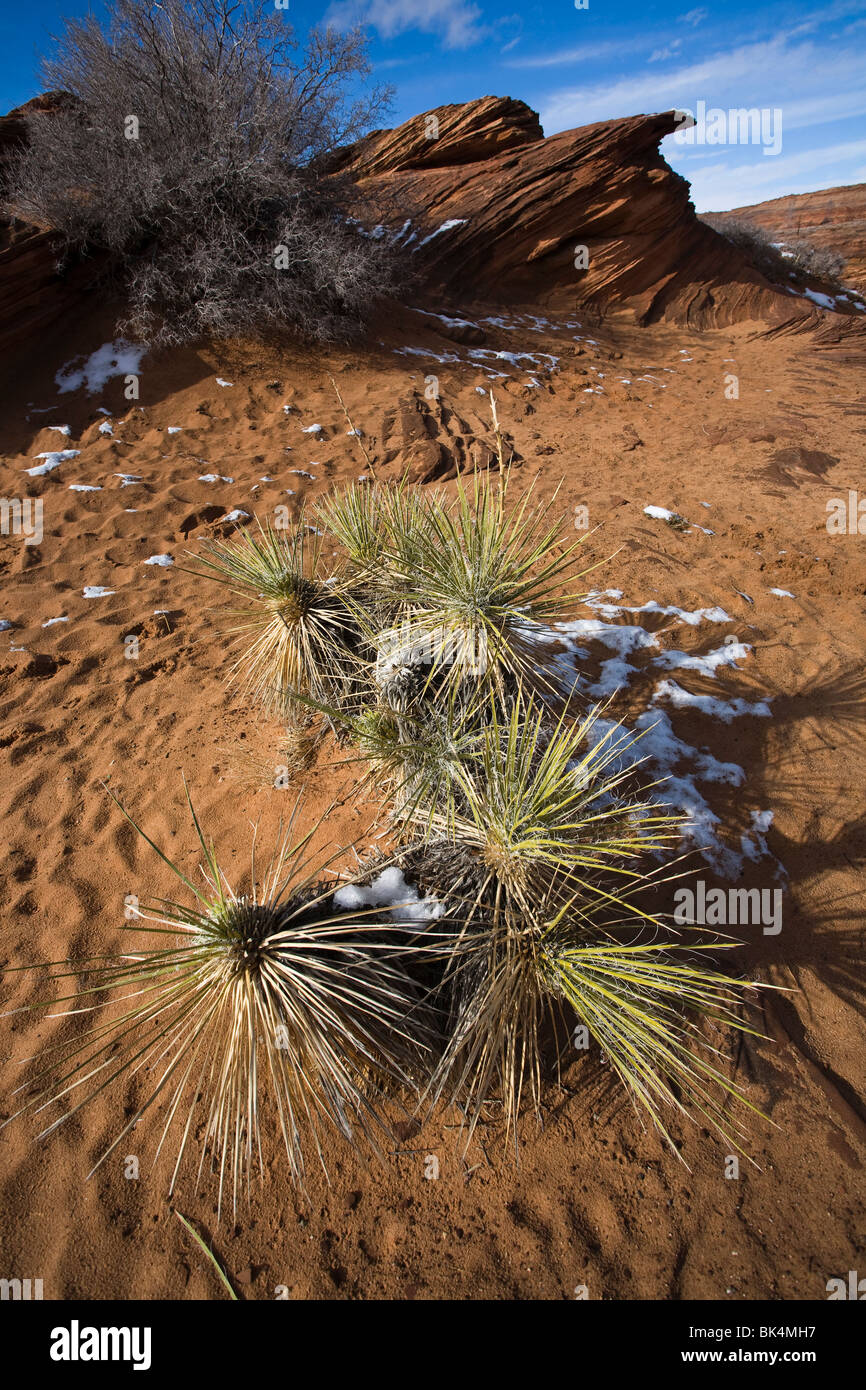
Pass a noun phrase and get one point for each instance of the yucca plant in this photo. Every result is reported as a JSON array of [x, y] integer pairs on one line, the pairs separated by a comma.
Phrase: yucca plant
[[266, 992], [357, 516], [472, 577], [297, 617], [542, 859], [641, 1003], [416, 757], [409, 520], [540, 805]]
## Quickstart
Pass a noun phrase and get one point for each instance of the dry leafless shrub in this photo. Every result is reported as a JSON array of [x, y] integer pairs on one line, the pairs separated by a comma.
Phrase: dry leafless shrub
[[816, 260], [195, 152], [777, 259]]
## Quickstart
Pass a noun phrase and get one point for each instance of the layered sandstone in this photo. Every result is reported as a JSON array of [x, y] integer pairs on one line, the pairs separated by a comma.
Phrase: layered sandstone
[[484, 207]]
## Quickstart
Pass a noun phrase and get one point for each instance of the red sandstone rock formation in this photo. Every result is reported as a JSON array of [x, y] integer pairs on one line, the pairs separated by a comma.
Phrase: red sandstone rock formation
[[486, 208], [32, 294], [497, 212]]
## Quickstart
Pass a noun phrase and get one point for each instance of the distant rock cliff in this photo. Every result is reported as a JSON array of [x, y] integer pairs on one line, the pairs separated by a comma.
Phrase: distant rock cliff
[[833, 218]]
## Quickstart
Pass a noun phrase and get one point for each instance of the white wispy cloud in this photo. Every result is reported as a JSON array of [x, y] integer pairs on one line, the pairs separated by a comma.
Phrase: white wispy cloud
[[582, 53], [457, 22], [828, 81], [717, 187], [658, 55], [694, 17]]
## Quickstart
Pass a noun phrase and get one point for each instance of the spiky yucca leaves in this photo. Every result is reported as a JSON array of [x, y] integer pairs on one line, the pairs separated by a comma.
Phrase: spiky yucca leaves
[[639, 1001], [357, 516], [544, 809], [379, 526], [416, 757], [545, 853], [472, 577], [302, 635], [634, 1000], [270, 991]]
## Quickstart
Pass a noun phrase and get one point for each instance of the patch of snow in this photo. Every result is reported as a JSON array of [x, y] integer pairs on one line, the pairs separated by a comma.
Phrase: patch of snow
[[446, 227], [661, 514], [112, 359], [390, 890], [709, 663], [694, 617], [441, 357], [96, 591], [449, 323], [52, 461], [623, 639], [726, 710], [822, 300], [662, 753], [164, 560], [514, 359], [754, 843]]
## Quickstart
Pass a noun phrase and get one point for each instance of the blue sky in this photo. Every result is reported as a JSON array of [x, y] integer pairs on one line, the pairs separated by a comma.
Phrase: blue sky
[[610, 59]]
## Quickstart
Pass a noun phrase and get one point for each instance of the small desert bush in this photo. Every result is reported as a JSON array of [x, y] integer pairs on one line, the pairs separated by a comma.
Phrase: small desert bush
[[541, 856], [266, 992], [194, 153], [456, 586], [527, 824], [779, 260], [819, 261], [430, 599], [296, 617]]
